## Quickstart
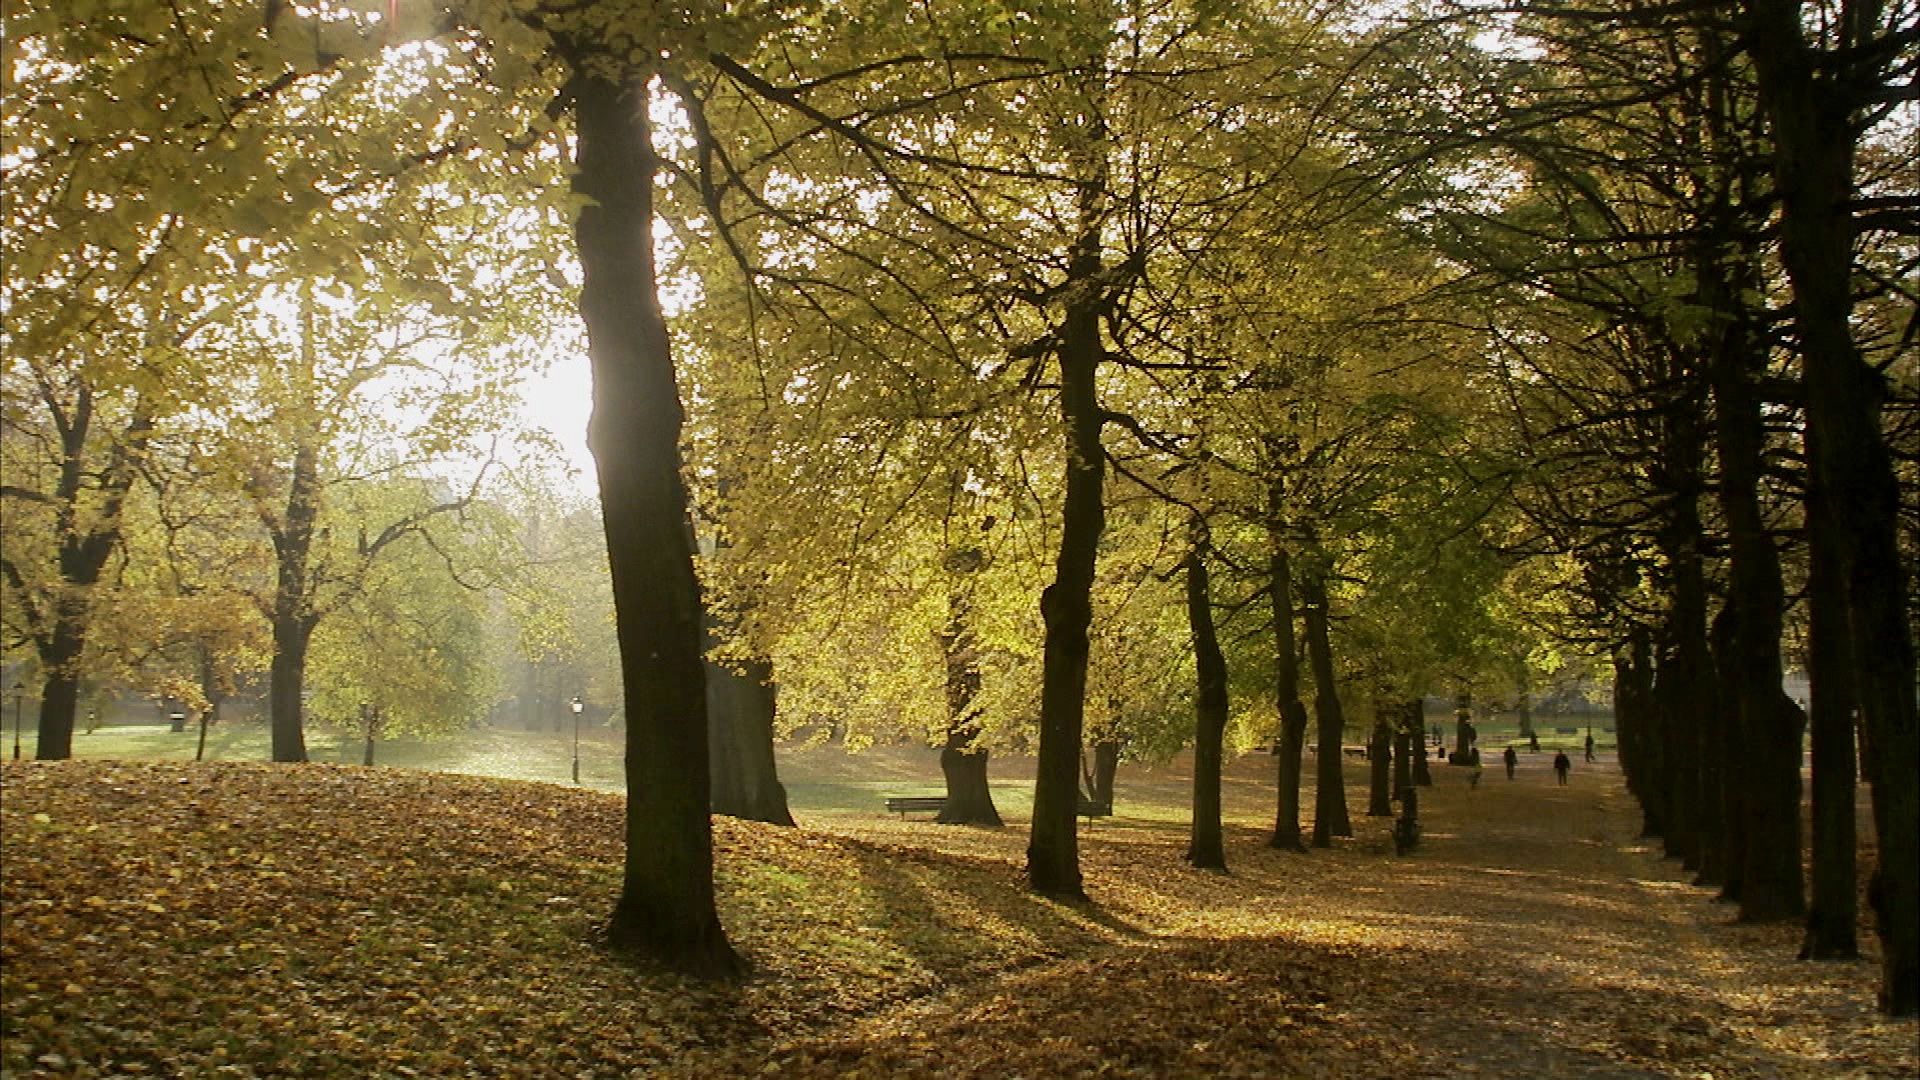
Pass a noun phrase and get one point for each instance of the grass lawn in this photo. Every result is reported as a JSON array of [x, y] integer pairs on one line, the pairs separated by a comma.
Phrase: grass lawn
[[502, 752], [820, 780]]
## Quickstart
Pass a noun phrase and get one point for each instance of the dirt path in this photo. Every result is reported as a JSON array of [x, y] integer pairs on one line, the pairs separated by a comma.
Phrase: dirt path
[[1531, 936], [1564, 946], [1555, 942]]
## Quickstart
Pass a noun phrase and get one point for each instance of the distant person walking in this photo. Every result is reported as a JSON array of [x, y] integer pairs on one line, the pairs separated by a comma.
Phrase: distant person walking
[[1473, 768], [1561, 765], [1589, 746], [1533, 742], [1512, 759]]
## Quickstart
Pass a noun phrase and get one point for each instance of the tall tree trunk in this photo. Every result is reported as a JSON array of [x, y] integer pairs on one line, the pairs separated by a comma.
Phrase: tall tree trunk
[[1066, 606], [1723, 771], [1678, 749], [741, 709], [1206, 848], [962, 763], [293, 617], [1812, 98], [1642, 749], [1330, 794], [1685, 688], [286, 684], [1763, 799], [370, 722], [1464, 735], [86, 541], [1404, 734], [666, 908], [1106, 764], [1416, 722], [1834, 909], [60, 692], [1380, 765], [1293, 713]]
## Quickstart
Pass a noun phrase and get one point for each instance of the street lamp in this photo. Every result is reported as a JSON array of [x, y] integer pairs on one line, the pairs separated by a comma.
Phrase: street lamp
[[19, 694], [578, 707]]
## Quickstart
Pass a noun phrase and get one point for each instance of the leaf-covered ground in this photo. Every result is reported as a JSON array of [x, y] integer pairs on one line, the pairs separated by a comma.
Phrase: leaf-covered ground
[[253, 920]]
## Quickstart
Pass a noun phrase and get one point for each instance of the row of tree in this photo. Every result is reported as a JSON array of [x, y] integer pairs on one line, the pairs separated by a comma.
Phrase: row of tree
[[1702, 374], [1593, 232], [1039, 370]]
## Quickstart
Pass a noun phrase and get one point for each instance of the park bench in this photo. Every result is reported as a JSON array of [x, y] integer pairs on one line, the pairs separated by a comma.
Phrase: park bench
[[933, 804], [1311, 748], [915, 804], [1350, 751]]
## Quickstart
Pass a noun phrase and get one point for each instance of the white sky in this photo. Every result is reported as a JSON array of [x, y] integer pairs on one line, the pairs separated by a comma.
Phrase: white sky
[[559, 401]]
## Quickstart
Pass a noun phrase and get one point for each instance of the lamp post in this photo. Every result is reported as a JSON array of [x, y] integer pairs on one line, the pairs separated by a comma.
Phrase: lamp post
[[19, 708], [578, 707]]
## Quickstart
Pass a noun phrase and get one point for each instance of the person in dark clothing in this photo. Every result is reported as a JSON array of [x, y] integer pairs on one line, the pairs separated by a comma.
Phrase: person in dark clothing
[[1533, 742], [1589, 746], [1561, 765], [1512, 759]]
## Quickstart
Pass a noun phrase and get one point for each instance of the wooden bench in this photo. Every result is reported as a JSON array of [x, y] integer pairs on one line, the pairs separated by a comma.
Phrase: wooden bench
[[1346, 750], [933, 804], [915, 804]]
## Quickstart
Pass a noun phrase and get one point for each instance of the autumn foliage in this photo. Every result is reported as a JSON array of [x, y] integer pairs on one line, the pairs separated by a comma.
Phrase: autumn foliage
[[256, 920]]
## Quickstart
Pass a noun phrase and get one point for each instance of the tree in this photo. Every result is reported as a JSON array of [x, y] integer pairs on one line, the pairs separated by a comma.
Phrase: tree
[[741, 705], [1643, 213], [963, 760], [329, 389], [52, 587], [1206, 849], [405, 654], [181, 623], [1078, 168], [255, 160], [1824, 81], [556, 615], [1330, 786], [116, 204], [1293, 713], [666, 907]]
